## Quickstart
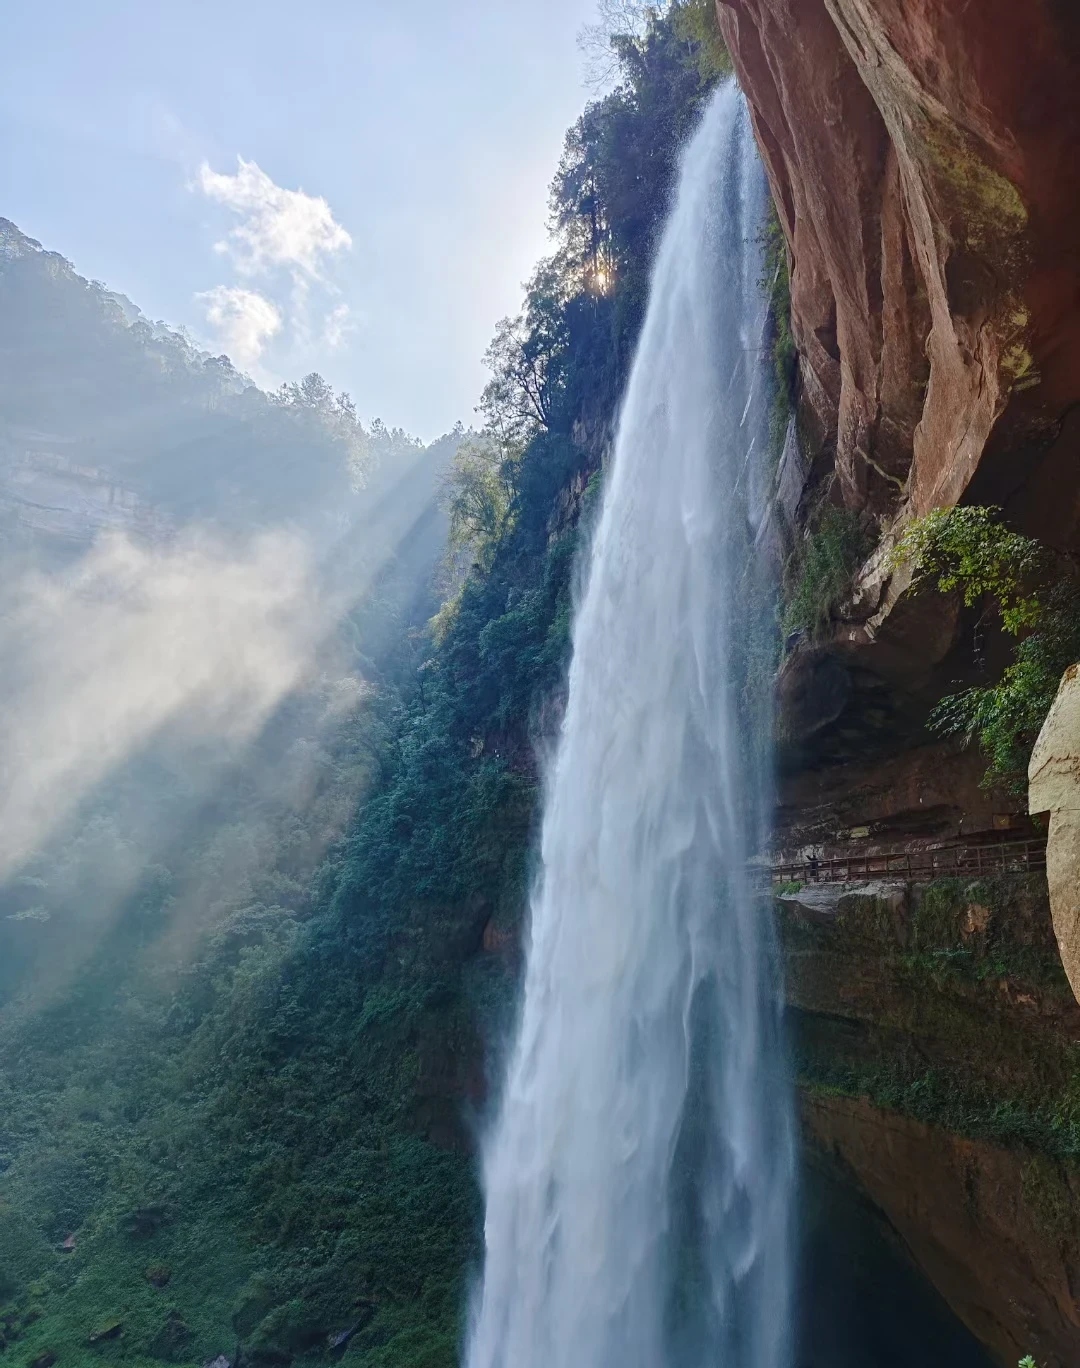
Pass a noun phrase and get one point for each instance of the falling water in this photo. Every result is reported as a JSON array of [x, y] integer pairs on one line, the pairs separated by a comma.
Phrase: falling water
[[638, 1178]]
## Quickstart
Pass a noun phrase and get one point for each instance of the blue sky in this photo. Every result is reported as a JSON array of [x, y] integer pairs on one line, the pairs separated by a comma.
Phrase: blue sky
[[423, 135]]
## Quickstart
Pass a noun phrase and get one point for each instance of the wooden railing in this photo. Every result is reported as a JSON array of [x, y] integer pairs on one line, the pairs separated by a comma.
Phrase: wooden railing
[[917, 866]]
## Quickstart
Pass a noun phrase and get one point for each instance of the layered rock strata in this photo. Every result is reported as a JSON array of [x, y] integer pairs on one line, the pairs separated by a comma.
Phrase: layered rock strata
[[933, 1033]]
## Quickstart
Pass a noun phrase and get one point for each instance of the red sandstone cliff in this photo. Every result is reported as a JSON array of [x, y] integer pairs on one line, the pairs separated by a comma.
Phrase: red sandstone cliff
[[924, 157], [925, 160]]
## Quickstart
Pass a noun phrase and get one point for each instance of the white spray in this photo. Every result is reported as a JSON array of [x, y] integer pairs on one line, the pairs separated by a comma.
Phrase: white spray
[[638, 1179]]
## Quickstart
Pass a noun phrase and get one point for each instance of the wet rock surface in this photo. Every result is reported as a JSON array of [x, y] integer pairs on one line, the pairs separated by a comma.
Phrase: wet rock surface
[[933, 1034], [970, 1214]]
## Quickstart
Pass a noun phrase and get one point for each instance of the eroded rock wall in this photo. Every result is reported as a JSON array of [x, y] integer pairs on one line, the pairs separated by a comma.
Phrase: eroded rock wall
[[971, 1214], [933, 1036], [923, 159]]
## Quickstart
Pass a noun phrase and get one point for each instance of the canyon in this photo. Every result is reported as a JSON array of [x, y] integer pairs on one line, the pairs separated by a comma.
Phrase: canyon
[[297, 1110]]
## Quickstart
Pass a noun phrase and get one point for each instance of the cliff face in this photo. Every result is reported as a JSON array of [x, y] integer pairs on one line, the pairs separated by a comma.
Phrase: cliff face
[[964, 1207], [933, 1035], [922, 155], [48, 497]]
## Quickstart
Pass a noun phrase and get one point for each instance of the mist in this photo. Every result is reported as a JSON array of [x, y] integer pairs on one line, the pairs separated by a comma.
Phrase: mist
[[204, 585], [194, 643]]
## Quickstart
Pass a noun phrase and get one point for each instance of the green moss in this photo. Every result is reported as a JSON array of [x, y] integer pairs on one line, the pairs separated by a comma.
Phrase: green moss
[[990, 209], [952, 1022], [822, 570], [938, 916], [1048, 1195], [869, 917]]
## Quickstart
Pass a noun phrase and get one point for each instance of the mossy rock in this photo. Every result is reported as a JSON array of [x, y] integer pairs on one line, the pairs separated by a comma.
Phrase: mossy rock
[[296, 1327], [256, 1302], [875, 912], [107, 1330]]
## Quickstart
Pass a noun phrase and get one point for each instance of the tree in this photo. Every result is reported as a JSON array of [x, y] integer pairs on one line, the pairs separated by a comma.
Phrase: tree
[[479, 491], [312, 401], [520, 398]]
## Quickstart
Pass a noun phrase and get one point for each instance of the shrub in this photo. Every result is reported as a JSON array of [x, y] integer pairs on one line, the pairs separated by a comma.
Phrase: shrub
[[824, 569], [1038, 598]]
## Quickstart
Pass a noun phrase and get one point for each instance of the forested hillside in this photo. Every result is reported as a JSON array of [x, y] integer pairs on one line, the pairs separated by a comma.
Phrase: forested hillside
[[239, 1090], [88, 383]]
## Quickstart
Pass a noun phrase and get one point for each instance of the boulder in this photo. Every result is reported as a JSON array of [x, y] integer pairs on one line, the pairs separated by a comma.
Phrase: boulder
[[109, 1330], [1054, 787]]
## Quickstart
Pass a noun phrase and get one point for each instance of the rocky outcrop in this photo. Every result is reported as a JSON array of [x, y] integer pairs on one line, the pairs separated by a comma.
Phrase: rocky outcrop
[[922, 158], [1054, 787], [933, 1036], [46, 496], [992, 1228]]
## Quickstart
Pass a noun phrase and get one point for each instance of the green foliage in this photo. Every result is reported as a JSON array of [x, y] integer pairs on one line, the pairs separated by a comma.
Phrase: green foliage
[[823, 569], [623, 26], [524, 357], [268, 1159], [969, 549], [696, 22], [1005, 718], [479, 491]]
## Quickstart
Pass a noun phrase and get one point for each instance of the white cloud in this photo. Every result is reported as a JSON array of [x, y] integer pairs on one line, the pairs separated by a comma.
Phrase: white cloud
[[337, 325], [279, 228], [243, 320]]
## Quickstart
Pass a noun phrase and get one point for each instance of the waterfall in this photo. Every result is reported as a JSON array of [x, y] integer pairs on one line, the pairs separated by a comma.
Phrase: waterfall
[[638, 1177]]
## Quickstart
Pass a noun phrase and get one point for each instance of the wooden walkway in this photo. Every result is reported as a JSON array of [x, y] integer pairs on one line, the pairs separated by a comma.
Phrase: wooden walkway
[[958, 860]]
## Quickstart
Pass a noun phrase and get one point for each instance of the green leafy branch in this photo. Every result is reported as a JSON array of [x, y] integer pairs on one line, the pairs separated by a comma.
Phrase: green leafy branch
[[971, 550], [1038, 598]]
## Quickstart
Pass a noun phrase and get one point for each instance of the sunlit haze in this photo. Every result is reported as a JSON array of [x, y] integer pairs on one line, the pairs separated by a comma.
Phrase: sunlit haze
[[539, 686]]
